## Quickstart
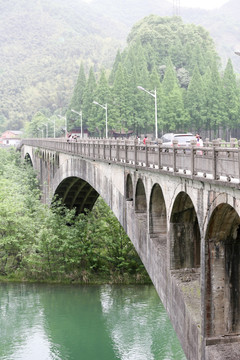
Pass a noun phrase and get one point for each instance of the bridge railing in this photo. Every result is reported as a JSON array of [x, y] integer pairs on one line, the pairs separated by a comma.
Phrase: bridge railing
[[216, 160]]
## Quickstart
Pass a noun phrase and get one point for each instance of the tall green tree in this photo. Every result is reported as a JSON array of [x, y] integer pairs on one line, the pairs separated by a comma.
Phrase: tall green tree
[[175, 117], [122, 96], [77, 99], [170, 78], [214, 101], [99, 114], [195, 102], [88, 98], [231, 97], [117, 61]]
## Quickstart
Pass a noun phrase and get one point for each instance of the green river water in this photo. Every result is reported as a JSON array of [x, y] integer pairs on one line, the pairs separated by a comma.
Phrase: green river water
[[60, 322]]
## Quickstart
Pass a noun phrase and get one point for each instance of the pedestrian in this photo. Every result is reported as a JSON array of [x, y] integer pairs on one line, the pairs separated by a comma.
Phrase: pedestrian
[[199, 143], [68, 137], [145, 139], [197, 138]]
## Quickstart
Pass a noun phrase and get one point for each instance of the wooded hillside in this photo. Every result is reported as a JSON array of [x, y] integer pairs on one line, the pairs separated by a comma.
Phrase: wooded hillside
[[180, 62], [42, 44]]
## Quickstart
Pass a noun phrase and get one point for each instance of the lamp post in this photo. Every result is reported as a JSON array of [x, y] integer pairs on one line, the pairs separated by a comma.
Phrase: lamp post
[[46, 130], [105, 108], [54, 127], [154, 94], [80, 114], [65, 118], [40, 130]]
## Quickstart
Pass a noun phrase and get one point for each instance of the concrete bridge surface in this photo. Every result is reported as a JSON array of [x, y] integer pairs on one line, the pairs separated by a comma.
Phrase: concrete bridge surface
[[180, 207]]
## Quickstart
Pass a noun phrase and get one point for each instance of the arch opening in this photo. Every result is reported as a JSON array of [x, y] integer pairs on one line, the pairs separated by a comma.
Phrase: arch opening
[[28, 159], [140, 198], [76, 193], [157, 214], [141, 216], [185, 236], [222, 300], [129, 188]]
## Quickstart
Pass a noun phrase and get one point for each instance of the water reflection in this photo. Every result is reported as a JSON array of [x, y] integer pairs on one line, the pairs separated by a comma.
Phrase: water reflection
[[138, 324], [22, 330], [43, 322]]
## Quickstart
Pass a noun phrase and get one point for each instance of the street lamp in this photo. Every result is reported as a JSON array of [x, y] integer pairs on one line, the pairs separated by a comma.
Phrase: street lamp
[[155, 97], [105, 108], [54, 127], [46, 130], [40, 130], [80, 114], [65, 118]]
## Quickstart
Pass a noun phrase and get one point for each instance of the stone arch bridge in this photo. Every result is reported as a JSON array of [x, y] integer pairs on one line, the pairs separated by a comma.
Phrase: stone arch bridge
[[180, 207]]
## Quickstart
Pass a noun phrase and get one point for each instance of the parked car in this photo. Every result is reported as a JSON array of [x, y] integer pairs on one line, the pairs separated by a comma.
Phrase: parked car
[[183, 139]]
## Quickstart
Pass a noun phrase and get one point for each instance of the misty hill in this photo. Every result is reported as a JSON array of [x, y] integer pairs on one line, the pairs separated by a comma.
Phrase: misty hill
[[43, 42], [223, 26]]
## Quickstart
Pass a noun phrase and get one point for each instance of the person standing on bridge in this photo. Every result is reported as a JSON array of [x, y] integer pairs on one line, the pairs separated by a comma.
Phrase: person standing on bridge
[[68, 137], [199, 143], [144, 140]]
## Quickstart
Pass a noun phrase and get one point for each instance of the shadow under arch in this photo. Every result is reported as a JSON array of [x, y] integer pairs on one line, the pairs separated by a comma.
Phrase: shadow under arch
[[222, 272], [27, 159], [140, 198], [141, 217], [129, 188], [157, 214], [76, 193], [185, 236]]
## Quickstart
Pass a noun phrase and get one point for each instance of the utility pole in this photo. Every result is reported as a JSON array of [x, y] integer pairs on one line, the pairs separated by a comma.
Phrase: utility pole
[[176, 7]]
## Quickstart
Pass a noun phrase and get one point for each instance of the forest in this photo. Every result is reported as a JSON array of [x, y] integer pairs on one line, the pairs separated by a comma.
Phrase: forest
[[42, 243], [178, 60]]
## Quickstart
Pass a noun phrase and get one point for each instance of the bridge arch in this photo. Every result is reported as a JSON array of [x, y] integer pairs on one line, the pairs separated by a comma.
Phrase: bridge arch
[[76, 193], [28, 159], [222, 271], [157, 213], [140, 198], [185, 239], [129, 188]]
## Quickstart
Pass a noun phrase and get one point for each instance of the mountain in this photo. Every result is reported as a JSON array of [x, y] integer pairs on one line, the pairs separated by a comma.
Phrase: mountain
[[223, 26], [43, 42]]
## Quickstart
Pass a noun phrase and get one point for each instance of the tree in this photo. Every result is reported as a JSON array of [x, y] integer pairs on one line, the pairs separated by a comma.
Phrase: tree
[[102, 97], [175, 117], [117, 61], [231, 97], [121, 109], [77, 99], [195, 101], [214, 102], [88, 98]]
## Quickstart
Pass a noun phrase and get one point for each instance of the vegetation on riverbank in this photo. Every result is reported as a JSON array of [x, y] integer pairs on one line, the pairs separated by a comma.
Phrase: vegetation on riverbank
[[42, 244]]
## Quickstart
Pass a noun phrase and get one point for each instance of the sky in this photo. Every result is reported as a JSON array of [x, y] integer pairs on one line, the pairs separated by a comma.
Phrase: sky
[[203, 4]]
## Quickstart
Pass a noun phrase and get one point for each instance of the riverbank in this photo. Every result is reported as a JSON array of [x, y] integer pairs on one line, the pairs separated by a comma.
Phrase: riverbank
[[114, 279]]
